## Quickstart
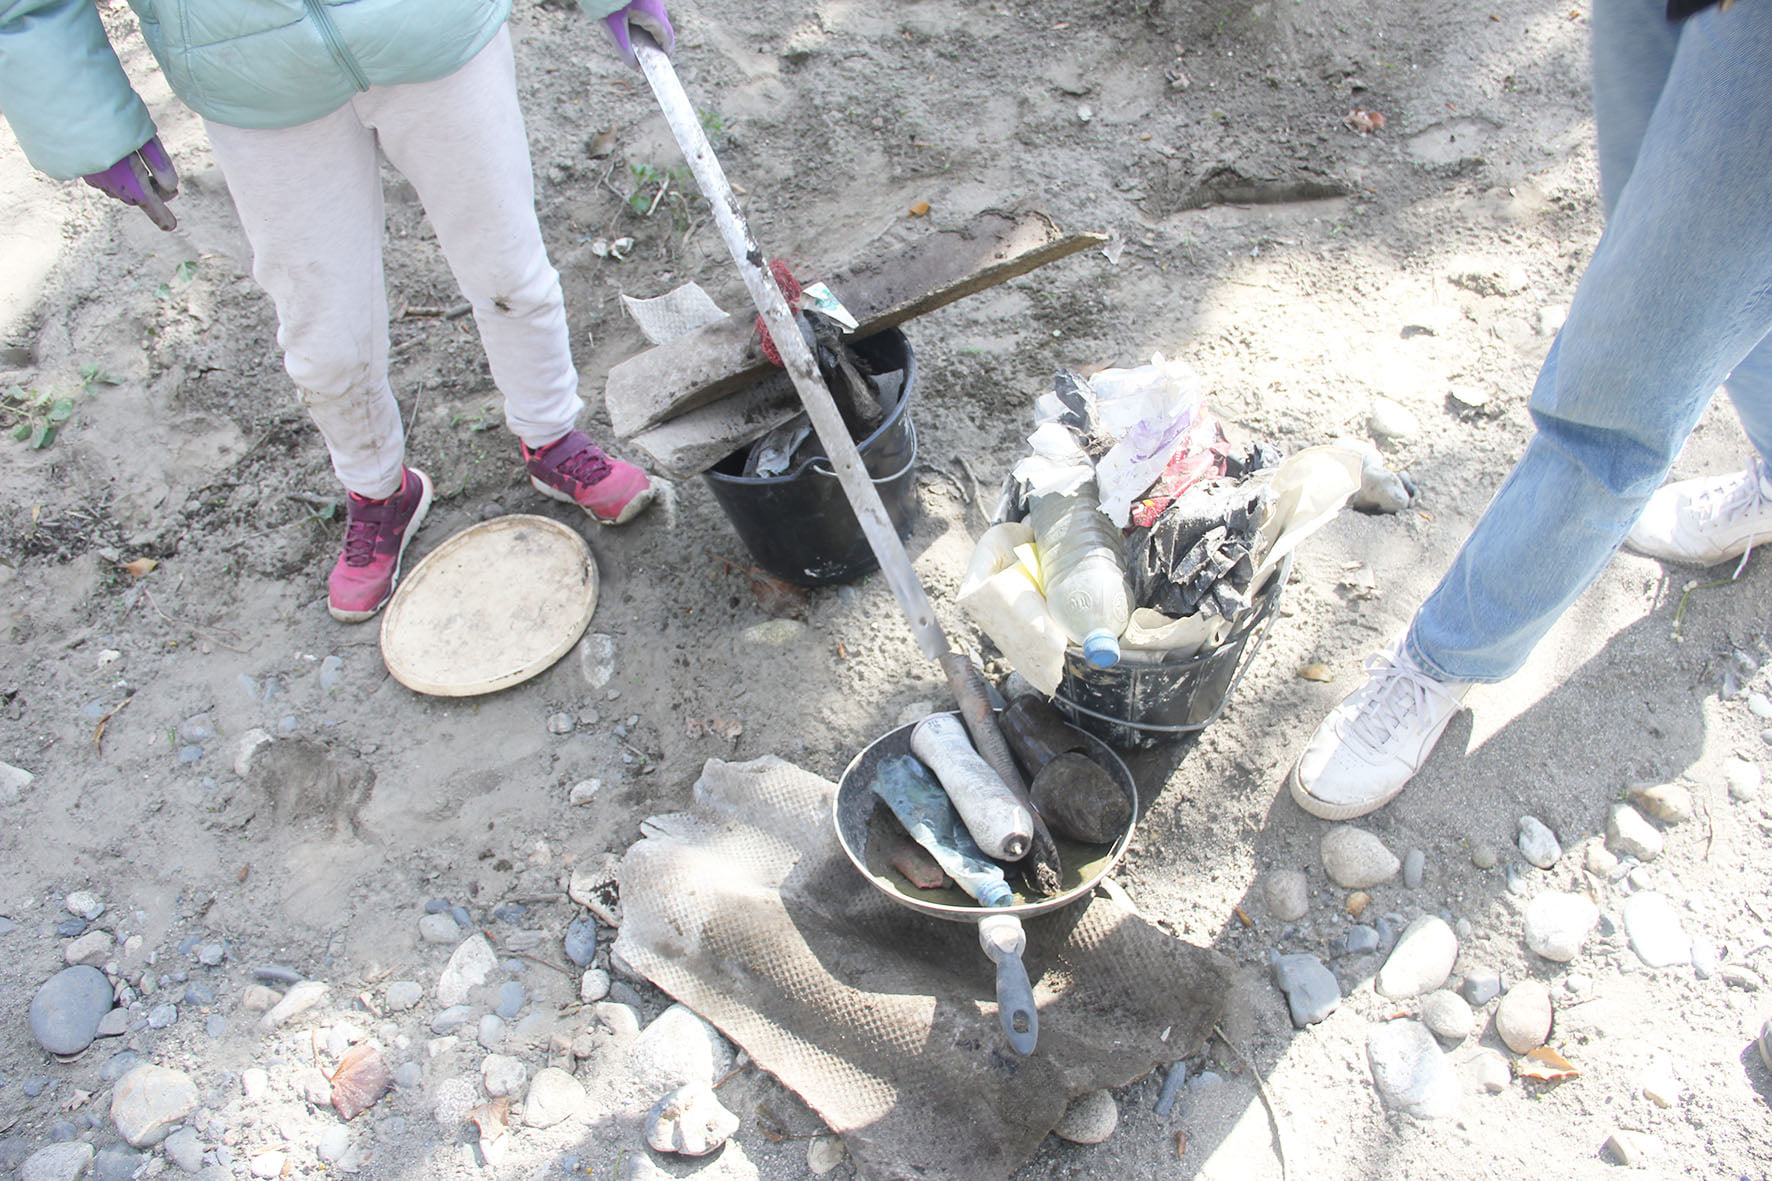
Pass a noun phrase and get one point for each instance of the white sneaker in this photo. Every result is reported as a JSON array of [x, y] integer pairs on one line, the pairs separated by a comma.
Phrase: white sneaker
[[1709, 520], [1375, 741]]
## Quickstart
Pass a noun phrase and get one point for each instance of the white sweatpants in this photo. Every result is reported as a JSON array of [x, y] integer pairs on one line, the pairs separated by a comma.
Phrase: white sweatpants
[[310, 200]]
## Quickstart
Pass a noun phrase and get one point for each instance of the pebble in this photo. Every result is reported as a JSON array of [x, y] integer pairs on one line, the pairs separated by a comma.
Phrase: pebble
[[113, 1024], [149, 1101], [68, 928], [1090, 1119], [408, 1075], [114, 1162], [622, 1021], [1628, 834], [402, 995], [689, 1121], [66, 1010], [454, 1017], [677, 1049], [491, 1031], [184, 1149], [162, 1016], [1516, 881], [333, 1143], [593, 986], [1414, 864], [438, 928], [1484, 856], [37, 1084], [257, 998], [1744, 779], [1492, 1071], [1447, 1014], [824, 1153], [1523, 1019], [1738, 976], [92, 948], [501, 1074], [268, 1164], [57, 1162], [1629, 1149], [554, 1097], [1558, 924], [1391, 420], [1653, 928], [1601, 861], [1705, 958], [1421, 961], [561, 723], [1667, 802], [1357, 902], [1312, 992], [199, 994], [581, 941], [298, 1000], [1538, 844], [1287, 893], [1411, 1073], [85, 904], [1360, 940], [511, 999], [1759, 704], [210, 955], [454, 1099], [331, 669], [1354, 859], [467, 969]]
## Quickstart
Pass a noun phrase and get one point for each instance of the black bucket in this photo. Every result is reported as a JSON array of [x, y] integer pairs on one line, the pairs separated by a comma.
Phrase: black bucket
[[798, 525], [1144, 705]]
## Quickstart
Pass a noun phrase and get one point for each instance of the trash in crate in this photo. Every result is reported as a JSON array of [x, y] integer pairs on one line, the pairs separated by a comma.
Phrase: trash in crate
[[1138, 551]]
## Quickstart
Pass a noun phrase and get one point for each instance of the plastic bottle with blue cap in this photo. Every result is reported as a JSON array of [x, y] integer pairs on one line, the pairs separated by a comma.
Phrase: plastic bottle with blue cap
[[1083, 571]]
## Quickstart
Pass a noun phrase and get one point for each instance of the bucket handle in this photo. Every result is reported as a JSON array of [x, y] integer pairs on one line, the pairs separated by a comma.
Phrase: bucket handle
[[1252, 646], [820, 464]]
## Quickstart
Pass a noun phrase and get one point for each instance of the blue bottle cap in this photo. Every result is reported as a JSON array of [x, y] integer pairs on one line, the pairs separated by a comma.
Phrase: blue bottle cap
[[1102, 649], [996, 894]]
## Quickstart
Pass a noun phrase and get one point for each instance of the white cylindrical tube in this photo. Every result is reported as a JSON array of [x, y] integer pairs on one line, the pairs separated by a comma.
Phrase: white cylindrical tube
[[997, 820]]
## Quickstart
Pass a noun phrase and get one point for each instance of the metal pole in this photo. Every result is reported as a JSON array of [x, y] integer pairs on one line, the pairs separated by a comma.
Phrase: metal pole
[[796, 357]]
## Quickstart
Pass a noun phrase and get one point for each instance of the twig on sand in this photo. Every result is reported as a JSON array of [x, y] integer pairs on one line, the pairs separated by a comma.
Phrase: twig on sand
[[1267, 1098], [195, 630]]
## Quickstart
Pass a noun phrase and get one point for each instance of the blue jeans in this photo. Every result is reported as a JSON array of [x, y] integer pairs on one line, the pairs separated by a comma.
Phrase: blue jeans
[[1676, 300]]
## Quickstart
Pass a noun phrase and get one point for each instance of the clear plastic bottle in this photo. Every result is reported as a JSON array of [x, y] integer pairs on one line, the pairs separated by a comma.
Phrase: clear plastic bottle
[[1083, 571]]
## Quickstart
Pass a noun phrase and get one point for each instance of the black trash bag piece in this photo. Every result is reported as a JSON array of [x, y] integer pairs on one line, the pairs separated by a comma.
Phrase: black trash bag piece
[[1197, 557], [1077, 396]]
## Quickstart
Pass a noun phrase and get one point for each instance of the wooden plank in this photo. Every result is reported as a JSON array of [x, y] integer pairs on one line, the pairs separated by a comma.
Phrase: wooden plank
[[692, 443], [902, 280]]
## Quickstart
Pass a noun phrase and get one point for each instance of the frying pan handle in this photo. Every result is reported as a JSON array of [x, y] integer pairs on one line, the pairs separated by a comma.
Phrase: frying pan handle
[[1003, 940]]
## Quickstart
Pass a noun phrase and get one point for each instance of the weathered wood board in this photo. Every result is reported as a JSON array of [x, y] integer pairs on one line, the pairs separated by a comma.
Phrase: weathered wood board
[[903, 281]]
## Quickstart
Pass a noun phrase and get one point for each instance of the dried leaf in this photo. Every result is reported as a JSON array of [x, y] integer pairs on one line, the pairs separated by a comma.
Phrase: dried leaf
[[136, 567], [778, 599], [919, 209], [1363, 121], [361, 1078], [1546, 1065], [727, 728], [493, 1119], [1316, 672]]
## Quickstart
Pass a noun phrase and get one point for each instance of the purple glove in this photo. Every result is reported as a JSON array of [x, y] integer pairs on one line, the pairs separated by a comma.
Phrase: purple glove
[[646, 15], [146, 178]]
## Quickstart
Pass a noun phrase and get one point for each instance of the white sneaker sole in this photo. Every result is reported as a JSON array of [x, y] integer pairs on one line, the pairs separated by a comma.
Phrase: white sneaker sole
[[629, 511], [1324, 810]]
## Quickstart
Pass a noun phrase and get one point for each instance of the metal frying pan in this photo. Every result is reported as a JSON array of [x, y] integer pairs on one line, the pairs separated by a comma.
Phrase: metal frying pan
[[860, 814]]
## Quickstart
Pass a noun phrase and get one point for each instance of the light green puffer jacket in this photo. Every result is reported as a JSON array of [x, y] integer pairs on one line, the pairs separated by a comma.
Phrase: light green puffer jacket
[[249, 63]]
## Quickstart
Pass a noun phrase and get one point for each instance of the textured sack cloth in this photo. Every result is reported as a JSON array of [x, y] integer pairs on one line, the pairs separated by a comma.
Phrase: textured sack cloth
[[882, 1019]]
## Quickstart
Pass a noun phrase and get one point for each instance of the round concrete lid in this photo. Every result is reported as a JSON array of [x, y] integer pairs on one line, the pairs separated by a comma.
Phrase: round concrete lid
[[491, 607]]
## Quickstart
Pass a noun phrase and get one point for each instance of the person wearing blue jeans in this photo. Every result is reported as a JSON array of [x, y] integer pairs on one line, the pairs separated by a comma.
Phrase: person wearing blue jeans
[[1676, 300]]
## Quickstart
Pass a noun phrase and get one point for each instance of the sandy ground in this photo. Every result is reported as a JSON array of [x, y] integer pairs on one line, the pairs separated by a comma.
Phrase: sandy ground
[[1428, 257]]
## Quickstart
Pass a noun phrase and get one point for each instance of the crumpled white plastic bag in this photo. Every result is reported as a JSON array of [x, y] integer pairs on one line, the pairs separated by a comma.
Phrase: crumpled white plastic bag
[[1150, 411]]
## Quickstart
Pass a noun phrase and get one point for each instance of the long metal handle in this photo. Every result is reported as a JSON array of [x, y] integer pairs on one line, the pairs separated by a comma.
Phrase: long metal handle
[[796, 357]]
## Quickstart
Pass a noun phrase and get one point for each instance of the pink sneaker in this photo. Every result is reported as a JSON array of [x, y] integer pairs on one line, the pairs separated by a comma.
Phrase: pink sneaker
[[376, 533], [575, 470]]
